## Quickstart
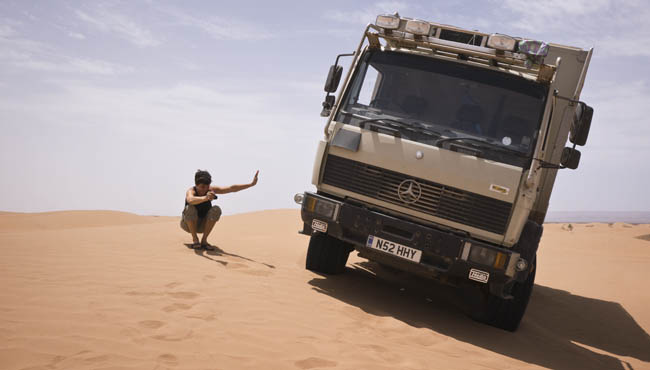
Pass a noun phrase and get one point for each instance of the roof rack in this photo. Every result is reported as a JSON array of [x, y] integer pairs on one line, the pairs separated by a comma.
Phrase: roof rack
[[456, 43]]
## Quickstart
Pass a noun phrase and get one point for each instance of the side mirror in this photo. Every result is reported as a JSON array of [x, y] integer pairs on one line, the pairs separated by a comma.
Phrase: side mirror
[[581, 124], [333, 78], [327, 106], [570, 158], [331, 84]]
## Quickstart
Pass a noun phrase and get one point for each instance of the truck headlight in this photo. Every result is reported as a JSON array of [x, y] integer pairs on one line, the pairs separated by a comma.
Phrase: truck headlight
[[481, 255], [325, 209], [320, 207], [489, 257]]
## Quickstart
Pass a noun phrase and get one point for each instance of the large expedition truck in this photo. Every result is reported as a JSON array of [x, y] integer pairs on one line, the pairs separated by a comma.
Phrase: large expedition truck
[[440, 154]]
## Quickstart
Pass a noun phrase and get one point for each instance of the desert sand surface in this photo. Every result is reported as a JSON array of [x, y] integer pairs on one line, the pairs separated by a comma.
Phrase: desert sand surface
[[110, 290]]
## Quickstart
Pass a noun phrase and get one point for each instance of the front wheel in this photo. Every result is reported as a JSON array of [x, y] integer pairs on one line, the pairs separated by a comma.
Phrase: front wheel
[[327, 254], [505, 313]]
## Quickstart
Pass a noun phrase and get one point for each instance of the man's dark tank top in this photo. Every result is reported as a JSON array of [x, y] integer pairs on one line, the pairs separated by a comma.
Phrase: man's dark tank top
[[202, 208]]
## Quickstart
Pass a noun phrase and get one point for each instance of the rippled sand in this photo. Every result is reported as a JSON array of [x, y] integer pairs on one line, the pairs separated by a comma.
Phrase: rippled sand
[[111, 290]]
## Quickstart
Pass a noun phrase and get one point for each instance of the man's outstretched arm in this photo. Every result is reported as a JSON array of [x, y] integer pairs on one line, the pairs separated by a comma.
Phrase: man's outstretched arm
[[234, 188]]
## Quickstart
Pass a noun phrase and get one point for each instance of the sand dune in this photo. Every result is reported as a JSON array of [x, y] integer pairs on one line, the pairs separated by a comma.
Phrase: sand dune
[[109, 290], [10, 221]]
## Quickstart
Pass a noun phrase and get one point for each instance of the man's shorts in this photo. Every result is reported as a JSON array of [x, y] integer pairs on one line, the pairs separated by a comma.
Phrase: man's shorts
[[191, 214]]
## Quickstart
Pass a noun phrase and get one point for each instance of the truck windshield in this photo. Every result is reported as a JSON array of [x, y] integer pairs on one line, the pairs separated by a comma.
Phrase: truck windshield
[[451, 100]]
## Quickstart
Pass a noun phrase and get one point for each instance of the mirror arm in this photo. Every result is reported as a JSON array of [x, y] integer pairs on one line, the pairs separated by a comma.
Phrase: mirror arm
[[544, 164], [349, 75], [336, 62], [571, 101]]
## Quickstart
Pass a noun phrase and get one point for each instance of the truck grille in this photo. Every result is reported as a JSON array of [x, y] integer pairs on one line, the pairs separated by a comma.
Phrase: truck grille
[[437, 200]]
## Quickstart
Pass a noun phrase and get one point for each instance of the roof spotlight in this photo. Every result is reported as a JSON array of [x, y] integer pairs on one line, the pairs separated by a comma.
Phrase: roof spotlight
[[501, 42], [388, 21], [416, 27]]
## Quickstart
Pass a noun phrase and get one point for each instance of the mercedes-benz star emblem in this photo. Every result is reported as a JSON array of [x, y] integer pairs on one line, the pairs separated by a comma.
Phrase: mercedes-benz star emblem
[[409, 191]]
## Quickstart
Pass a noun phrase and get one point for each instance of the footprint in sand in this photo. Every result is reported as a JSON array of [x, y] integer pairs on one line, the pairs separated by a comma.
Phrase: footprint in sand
[[236, 266], [97, 359], [137, 293], [206, 317], [173, 284], [177, 307], [183, 295], [257, 272], [244, 268], [151, 324], [130, 332], [133, 334], [376, 348], [168, 359], [173, 337], [312, 362]]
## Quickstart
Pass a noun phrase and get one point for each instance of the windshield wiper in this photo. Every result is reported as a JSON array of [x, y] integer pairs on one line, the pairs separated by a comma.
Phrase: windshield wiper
[[392, 123], [490, 144]]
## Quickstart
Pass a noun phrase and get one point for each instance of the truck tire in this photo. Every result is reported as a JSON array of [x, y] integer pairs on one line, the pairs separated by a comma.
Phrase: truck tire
[[327, 254], [529, 240], [505, 313]]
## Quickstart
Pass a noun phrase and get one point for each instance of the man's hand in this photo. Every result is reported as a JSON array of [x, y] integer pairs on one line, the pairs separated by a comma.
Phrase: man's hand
[[211, 196], [235, 188]]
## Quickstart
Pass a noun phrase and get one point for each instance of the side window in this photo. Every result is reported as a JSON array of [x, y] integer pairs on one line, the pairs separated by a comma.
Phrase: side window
[[369, 87]]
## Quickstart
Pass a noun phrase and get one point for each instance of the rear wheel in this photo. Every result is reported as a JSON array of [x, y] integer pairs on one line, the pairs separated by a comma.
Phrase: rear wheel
[[504, 313], [327, 254]]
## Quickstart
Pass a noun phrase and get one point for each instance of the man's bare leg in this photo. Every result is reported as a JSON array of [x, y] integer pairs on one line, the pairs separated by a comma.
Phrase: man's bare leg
[[211, 218], [189, 222], [192, 226], [209, 224]]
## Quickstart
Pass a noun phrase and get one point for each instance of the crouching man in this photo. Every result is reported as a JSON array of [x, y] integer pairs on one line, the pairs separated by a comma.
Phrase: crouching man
[[199, 215]]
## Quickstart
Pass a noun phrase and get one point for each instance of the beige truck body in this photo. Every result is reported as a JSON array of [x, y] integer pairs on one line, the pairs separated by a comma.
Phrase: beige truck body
[[527, 191]]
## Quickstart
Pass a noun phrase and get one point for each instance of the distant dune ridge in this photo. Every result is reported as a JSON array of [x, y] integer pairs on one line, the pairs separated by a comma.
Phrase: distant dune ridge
[[599, 216], [106, 289], [72, 219]]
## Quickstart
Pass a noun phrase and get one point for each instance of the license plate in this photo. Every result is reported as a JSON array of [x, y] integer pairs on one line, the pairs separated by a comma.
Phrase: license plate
[[393, 248]]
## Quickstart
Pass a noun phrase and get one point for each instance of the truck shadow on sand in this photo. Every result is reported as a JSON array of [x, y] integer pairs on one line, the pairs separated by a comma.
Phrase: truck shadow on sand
[[215, 251], [557, 332]]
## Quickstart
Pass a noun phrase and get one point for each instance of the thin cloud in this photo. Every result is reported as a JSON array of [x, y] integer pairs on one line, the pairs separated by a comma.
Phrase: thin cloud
[[76, 35], [6, 30], [366, 15], [7, 27], [624, 104], [21, 53], [534, 11], [220, 28], [584, 21], [112, 22]]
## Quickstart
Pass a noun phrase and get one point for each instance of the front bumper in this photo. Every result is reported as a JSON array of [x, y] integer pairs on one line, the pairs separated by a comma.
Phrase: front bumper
[[445, 252]]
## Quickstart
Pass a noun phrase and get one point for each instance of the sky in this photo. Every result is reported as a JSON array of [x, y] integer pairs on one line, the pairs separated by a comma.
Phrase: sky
[[115, 104]]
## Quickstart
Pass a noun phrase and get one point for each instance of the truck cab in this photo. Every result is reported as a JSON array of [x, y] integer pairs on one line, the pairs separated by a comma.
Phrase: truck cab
[[439, 156]]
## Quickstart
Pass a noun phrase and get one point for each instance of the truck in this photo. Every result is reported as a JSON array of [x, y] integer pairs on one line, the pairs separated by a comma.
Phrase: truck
[[439, 156]]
